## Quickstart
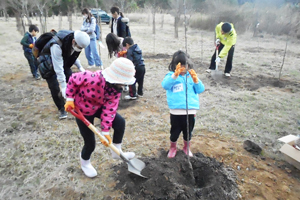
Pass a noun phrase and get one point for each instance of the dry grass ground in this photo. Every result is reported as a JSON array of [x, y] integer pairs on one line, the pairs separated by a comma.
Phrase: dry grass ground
[[39, 153]]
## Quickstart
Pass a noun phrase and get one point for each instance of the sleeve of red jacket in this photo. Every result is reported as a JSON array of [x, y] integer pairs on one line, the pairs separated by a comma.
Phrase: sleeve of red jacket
[[109, 110]]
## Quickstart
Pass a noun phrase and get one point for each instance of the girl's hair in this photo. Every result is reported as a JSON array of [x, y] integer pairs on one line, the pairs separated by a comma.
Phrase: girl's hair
[[113, 43], [180, 57], [89, 17]]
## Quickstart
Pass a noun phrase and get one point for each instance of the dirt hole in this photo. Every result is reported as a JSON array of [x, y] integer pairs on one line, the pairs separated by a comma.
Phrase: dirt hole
[[176, 179]]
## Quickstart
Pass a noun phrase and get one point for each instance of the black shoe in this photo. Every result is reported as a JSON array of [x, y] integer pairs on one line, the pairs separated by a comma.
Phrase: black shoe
[[63, 114]]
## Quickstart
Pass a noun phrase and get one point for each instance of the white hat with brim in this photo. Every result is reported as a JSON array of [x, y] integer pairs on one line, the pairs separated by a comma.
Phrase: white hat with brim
[[82, 38], [121, 71]]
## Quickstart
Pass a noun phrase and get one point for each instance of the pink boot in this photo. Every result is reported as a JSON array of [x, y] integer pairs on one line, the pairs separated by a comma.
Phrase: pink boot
[[185, 148], [173, 150]]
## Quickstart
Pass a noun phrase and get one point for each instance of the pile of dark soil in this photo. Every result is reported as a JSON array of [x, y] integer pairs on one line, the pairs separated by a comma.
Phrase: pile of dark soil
[[204, 178]]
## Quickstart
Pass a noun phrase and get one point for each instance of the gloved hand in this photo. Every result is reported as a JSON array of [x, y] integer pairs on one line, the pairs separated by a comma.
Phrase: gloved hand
[[106, 135], [217, 41], [217, 59], [179, 69], [194, 75], [31, 46], [69, 104], [63, 86], [122, 53], [63, 92], [82, 69]]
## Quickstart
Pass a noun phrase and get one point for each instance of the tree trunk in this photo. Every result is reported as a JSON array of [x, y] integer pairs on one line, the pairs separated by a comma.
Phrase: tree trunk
[[70, 19], [96, 4], [153, 22], [45, 17], [42, 23], [59, 20], [20, 24], [176, 22], [5, 14], [162, 21]]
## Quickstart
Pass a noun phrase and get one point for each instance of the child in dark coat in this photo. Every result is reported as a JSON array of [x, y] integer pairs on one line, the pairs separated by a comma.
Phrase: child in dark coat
[[134, 53], [28, 42]]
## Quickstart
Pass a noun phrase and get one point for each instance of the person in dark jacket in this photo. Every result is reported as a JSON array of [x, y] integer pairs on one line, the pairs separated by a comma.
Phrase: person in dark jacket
[[64, 53], [28, 42], [118, 23], [134, 53]]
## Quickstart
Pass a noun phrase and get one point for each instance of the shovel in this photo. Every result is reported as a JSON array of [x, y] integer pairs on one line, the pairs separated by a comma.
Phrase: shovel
[[134, 165], [215, 73]]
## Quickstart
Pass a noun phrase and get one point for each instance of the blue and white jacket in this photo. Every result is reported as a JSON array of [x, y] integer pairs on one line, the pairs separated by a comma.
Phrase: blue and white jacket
[[89, 28], [176, 91]]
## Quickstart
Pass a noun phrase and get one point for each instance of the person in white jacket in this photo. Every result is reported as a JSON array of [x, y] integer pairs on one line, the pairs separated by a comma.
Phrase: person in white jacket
[[91, 52], [64, 52]]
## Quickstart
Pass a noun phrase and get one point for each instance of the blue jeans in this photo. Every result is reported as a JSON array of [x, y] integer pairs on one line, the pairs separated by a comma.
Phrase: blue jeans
[[92, 54], [32, 63]]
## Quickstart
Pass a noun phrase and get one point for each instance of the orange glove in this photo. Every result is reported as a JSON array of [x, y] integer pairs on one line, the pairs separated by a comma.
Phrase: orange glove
[[122, 53], [194, 75], [105, 142], [69, 104], [31, 46], [179, 69]]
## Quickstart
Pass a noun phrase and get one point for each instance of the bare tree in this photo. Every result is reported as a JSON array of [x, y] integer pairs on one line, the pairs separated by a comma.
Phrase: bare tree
[[16, 7], [3, 6], [43, 7], [155, 6]]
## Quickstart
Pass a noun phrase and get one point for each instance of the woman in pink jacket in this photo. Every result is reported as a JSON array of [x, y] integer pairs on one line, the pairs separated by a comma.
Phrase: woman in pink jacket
[[97, 94]]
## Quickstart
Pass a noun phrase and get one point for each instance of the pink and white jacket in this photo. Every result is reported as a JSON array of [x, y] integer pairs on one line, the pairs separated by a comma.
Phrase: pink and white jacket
[[90, 92]]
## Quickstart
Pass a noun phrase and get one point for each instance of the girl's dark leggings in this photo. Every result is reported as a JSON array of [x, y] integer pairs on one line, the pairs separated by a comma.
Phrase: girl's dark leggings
[[178, 124], [89, 137]]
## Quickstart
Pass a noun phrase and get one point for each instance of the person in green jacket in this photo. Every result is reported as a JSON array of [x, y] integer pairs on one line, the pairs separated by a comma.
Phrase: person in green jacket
[[28, 42], [226, 39]]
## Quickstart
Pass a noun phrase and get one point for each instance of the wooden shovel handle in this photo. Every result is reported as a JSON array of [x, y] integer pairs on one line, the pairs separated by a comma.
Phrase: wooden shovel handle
[[78, 114]]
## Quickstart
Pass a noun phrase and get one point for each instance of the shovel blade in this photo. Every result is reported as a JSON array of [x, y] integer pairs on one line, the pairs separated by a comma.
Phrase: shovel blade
[[136, 166], [215, 74]]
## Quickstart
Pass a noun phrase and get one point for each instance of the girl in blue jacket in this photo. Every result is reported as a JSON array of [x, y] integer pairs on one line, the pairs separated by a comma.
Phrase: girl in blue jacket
[[181, 72]]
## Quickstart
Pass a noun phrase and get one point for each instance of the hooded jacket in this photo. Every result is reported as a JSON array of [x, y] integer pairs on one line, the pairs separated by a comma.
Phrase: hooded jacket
[[227, 39], [90, 92], [26, 41], [134, 53]]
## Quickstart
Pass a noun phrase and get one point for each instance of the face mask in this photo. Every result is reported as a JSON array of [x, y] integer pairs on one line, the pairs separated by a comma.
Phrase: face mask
[[76, 48], [84, 16]]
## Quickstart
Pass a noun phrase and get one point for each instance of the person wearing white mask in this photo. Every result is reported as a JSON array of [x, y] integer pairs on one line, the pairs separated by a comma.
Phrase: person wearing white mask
[[91, 52], [64, 50]]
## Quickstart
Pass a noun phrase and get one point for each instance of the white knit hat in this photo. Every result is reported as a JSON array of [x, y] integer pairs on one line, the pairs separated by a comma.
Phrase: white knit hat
[[121, 71], [82, 38]]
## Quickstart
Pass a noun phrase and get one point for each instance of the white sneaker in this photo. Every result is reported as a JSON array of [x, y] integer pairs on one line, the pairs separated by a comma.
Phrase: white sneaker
[[91, 66], [128, 155], [208, 70], [128, 97], [227, 74], [100, 66], [125, 88], [87, 168]]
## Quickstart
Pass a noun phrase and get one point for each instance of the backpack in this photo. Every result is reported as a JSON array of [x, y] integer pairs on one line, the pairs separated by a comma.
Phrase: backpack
[[45, 64], [42, 41], [97, 31]]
